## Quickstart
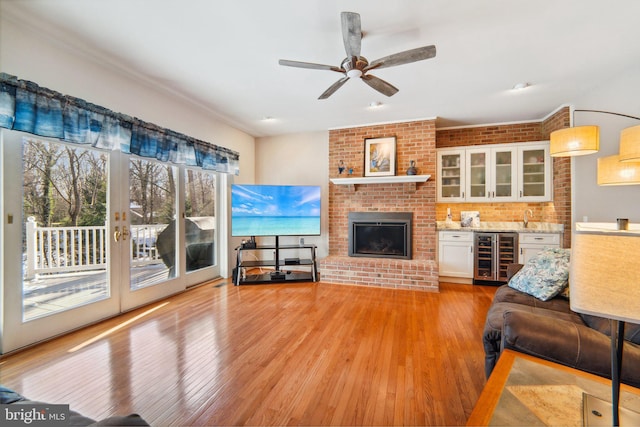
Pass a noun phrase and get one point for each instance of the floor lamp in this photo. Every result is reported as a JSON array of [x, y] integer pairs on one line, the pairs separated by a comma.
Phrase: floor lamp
[[604, 281]]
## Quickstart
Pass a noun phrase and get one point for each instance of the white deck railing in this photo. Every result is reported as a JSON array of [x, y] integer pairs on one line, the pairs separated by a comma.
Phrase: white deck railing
[[142, 248], [74, 249]]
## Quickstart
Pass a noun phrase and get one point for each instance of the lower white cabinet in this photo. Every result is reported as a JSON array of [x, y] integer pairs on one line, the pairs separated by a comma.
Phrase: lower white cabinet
[[455, 254], [455, 250], [532, 243]]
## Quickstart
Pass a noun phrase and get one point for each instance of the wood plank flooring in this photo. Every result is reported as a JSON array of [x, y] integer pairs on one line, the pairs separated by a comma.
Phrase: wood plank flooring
[[295, 354]]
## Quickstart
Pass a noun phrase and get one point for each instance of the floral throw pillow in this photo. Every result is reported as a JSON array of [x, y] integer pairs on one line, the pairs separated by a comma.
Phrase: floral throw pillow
[[545, 275]]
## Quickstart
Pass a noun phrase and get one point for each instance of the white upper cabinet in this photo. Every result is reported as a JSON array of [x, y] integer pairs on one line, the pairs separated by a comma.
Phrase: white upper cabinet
[[495, 173], [534, 173], [451, 175], [491, 174]]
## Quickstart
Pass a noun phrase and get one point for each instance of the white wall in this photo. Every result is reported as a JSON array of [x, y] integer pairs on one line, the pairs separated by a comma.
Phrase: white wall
[[606, 203], [31, 54], [298, 159]]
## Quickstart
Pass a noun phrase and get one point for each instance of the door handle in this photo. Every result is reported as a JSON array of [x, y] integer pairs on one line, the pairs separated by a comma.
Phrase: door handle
[[117, 234], [125, 232]]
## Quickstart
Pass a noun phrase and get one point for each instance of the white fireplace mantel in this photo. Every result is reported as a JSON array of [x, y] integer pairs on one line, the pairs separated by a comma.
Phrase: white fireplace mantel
[[351, 183], [380, 179]]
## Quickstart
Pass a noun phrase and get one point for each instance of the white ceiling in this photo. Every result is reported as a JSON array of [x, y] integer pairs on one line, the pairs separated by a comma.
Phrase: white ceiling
[[223, 55]]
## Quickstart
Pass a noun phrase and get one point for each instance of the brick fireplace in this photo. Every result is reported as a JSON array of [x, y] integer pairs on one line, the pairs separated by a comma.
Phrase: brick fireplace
[[414, 141]]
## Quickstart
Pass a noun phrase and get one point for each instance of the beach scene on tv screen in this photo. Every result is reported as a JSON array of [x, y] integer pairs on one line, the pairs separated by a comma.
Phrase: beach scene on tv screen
[[275, 210]]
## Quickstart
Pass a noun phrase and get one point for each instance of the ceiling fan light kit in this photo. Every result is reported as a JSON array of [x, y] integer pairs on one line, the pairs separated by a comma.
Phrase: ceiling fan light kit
[[354, 65]]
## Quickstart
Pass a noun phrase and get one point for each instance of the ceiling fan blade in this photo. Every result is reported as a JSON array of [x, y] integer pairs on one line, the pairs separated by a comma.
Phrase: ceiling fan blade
[[351, 33], [334, 87], [309, 65], [380, 85], [405, 57]]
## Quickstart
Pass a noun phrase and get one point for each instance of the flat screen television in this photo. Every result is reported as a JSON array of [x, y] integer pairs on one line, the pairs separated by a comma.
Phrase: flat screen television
[[275, 210]]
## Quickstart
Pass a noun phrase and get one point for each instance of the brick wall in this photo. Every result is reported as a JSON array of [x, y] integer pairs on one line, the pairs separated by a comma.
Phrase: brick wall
[[561, 175], [494, 134], [556, 211], [414, 141], [417, 141]]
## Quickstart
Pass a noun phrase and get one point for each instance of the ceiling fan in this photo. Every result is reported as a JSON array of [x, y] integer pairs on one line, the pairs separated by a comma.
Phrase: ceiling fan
[[355, 65]]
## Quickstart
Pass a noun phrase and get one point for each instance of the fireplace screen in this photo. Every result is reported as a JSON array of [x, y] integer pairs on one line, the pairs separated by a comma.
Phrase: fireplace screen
[[380, 235]]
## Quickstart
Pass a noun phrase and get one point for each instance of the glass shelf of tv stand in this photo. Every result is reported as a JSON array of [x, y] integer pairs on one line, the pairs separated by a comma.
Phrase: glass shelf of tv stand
[[285, 267]]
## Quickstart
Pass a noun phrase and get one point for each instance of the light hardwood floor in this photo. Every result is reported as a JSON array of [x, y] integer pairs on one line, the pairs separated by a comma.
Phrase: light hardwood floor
[[297, 354]]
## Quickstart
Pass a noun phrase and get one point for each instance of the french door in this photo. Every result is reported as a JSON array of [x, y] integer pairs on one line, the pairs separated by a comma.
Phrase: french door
[[88, 234]]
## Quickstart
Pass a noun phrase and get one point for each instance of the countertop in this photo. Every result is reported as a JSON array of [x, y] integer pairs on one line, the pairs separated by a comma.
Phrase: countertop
[[494, 226]]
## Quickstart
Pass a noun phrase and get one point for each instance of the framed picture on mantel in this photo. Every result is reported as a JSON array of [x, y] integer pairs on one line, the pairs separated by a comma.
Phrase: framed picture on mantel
[[380, 156]]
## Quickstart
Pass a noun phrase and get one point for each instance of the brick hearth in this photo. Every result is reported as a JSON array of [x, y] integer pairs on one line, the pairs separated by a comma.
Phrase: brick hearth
[[414, 141], [380, 272]]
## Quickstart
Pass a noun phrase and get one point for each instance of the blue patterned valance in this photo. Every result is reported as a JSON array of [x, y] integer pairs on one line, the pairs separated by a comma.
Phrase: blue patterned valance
[[27, 107]]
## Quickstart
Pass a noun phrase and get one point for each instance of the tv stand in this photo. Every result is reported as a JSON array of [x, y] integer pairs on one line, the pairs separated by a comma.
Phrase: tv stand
[[276, 275]]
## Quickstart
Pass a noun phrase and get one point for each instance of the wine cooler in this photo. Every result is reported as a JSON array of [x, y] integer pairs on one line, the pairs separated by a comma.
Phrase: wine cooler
[[493, 252]]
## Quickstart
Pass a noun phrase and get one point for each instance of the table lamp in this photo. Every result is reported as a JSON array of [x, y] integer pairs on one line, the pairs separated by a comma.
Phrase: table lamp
[[604, 281]]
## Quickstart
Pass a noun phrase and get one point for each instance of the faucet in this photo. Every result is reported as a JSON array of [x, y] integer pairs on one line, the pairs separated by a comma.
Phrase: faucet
[[526, 218]]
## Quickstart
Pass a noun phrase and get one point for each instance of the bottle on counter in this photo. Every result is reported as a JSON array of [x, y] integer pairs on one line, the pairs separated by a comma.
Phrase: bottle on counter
[[449, 218]]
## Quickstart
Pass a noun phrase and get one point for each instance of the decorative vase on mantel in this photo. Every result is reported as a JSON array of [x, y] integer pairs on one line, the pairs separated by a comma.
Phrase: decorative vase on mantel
[[412, 168]]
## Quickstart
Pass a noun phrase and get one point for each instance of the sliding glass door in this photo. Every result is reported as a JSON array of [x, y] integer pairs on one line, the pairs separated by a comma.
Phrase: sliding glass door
[[89, 233]]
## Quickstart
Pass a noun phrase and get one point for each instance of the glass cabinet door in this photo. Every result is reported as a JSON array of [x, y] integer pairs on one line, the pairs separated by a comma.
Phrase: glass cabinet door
[[534, 173], [503, 174], [484, 259], [490, 174], [477, 162], [451, 180]]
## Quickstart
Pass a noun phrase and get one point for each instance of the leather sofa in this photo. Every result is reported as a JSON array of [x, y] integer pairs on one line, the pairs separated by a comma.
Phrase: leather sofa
[[550, 330]]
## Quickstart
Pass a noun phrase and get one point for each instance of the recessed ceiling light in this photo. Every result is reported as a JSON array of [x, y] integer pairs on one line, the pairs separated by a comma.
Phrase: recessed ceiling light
[[375, 104], [267, 119], [520, 86]]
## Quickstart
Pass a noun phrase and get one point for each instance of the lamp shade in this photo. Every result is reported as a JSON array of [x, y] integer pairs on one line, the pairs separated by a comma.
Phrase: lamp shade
[[630, 144], [604, 274], [611, 171], [575, 141]]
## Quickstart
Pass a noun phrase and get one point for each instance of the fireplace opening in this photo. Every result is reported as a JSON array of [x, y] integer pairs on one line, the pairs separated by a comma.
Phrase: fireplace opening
[[380, 234]]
